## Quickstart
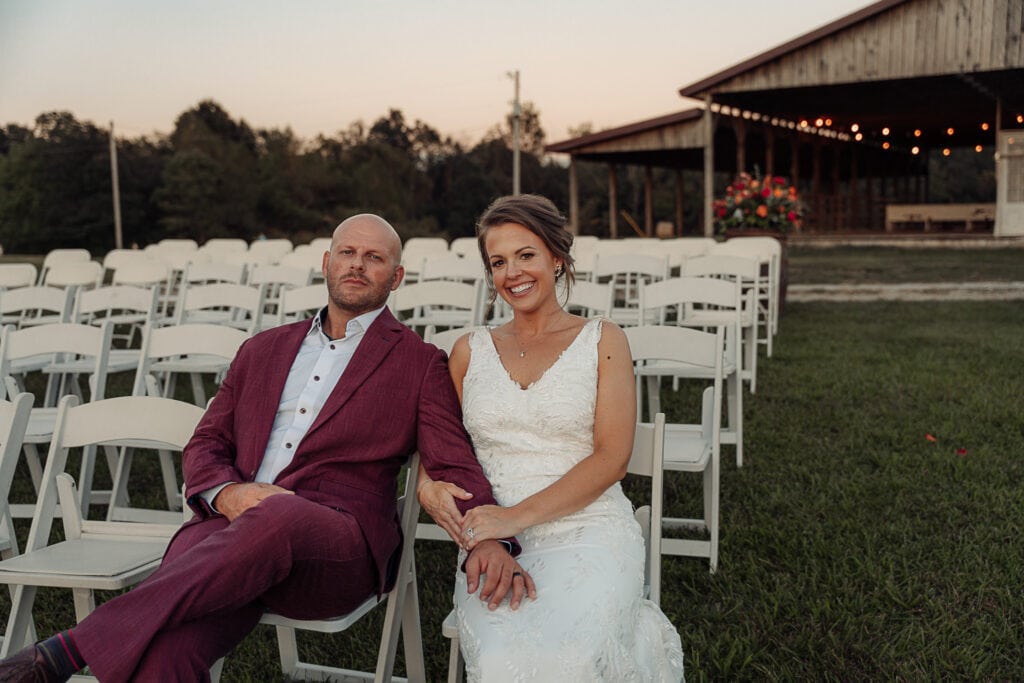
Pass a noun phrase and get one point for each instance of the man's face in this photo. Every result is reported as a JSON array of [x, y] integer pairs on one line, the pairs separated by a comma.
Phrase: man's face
[[362, 267]]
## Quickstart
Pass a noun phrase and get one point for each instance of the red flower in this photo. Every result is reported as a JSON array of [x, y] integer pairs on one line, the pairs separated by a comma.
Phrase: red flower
[[779, 180], [791, 216], [766, 192], [721, 212], [740, 186]]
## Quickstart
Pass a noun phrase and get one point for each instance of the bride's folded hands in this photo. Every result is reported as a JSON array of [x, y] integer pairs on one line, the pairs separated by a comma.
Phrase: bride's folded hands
[[438, 499], [490, 522]]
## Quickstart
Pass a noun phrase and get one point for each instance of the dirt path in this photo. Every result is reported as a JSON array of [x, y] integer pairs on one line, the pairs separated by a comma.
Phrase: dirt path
[[909, 291]]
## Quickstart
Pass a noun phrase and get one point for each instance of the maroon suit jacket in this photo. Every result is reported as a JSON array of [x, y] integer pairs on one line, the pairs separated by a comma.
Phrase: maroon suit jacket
[[395, 397]]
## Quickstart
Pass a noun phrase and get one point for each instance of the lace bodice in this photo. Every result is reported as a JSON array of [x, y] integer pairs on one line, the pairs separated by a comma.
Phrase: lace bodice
[[527, 438]]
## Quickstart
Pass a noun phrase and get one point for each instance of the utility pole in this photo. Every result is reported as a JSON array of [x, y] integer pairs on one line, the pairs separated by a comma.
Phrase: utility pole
[[514, 75], [118, 238]]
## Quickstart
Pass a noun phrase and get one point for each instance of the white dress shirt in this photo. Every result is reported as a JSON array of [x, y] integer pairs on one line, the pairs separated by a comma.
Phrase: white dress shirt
[[315, 371]]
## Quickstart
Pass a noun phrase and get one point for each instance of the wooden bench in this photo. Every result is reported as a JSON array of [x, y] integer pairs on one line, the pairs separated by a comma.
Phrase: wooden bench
[[969, 214]]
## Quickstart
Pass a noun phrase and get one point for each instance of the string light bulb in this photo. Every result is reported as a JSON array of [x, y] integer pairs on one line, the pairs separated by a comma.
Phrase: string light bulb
[[885, 145], [984, 126], [854, 128], [885, 131], [1020, 118], [917, 132], [949, 131], [858, 137], [828, 122], [945, 152], [803, 123], [819, 122], [977, 148], [915, 150]]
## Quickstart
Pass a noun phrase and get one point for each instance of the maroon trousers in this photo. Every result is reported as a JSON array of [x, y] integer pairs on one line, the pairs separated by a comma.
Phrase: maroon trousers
[[300, 559]]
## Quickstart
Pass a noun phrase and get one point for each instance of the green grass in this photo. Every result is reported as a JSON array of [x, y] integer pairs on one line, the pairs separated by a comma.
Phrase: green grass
[[860, 265], [852, 547]]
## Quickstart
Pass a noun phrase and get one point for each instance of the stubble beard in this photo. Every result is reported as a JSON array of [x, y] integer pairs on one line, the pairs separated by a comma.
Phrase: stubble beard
[[370, 300]]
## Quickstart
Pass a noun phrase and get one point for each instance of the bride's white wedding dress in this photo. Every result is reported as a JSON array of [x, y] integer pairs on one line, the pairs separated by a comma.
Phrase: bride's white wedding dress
[[590, 621]]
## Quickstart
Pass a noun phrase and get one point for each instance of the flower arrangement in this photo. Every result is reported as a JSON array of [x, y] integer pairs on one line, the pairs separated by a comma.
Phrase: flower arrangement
[[753, 203]]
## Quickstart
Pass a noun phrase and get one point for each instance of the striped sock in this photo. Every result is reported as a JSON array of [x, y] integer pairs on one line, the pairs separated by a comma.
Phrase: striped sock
[[61, 655]]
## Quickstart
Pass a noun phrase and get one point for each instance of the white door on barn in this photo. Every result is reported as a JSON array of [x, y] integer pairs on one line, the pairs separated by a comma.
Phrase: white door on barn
[[1010, 183]]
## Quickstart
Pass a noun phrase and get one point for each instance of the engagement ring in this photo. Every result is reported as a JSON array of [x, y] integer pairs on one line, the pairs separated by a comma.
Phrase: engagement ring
[[469, 532]]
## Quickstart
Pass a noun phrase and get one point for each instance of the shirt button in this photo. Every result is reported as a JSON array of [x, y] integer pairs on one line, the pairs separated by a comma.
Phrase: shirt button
[[332, 347], [288, 445], [302, 411], [316, 378]]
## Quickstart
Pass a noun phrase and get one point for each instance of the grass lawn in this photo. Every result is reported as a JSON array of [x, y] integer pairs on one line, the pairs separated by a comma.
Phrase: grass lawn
[[862, 265], [853, 547]]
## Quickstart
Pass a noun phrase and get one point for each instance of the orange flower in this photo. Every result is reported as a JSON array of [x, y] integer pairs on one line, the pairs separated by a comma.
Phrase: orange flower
[[778, 193], [762, 211]]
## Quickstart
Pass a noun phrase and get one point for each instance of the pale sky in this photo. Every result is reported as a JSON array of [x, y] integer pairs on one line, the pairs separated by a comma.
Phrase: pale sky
[[320, 65]]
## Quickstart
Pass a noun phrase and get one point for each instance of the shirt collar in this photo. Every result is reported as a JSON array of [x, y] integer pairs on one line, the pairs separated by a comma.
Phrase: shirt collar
[[360, 323]]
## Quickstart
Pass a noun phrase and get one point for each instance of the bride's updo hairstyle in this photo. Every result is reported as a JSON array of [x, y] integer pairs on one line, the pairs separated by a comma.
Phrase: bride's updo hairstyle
[[540, 216]]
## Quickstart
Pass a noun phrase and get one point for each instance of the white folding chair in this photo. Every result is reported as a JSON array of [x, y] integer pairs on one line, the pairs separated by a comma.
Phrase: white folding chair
[[62, 352], [14, 416], [440, 303], [55, 256], [746, 271], [416, 249], [222, 303], [401, 615], [217, 246], [123, 305], [590, 299], [768, 251], [689, 447], [85, 274], [466, 247], [95, 555], [36, 305], [14, 275], [706, 303], [626, 272], [301, 303], [193, 349], [273, 280], [269, 251]]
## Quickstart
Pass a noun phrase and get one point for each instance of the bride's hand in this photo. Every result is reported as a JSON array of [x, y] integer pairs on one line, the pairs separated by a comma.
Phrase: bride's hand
[[487, 522], [438, 499]]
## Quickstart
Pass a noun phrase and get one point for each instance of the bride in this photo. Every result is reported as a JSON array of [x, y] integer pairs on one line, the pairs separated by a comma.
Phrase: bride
[[548, 399]]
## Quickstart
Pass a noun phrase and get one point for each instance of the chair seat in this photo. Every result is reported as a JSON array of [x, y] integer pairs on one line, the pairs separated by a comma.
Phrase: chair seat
[[40, 425], [194, 363], [118, 360], [97, 563], [667, 368], [686, 449], [334, 625]]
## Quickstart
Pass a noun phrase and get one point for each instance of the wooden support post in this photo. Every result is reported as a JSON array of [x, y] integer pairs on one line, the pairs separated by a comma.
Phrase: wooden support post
[[816, 183], [709, 167], [648, 201], [613, 203], [574, 198], [853, 211], [678, 232], [769, 152], [739, 126]]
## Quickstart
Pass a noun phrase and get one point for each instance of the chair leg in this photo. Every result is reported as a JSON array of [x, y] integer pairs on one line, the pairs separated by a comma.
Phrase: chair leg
[[734, 398], [412, 638], [288, 649], [455, 662], [170, 477], [35, 465], [20, 625]]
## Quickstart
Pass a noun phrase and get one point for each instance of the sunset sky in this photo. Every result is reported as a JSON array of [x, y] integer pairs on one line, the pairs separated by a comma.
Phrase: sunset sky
[[317, 66]]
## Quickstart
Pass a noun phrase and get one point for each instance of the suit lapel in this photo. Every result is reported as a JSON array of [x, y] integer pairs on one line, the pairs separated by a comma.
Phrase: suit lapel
[[377, 343]]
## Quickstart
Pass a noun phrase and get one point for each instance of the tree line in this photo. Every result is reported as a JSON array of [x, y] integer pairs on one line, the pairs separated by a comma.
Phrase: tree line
[[216, 176]]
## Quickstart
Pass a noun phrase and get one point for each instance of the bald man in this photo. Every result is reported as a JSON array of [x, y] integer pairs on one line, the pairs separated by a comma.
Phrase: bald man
[[292, 476]]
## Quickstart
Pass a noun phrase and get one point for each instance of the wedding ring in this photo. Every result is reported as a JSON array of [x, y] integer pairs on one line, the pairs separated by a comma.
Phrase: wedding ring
[[469, 532], [515, 574]]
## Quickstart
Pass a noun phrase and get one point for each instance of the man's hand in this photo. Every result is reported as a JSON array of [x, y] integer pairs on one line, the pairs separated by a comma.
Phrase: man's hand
[[438, 499], [502, 573], [234, 499]]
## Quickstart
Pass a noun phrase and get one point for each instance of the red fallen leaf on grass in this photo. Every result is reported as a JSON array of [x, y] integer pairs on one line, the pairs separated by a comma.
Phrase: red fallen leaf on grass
[[930, 438], [961, 452]]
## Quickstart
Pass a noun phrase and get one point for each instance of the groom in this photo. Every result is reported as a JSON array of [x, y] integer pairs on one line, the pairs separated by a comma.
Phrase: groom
[[292, 476]]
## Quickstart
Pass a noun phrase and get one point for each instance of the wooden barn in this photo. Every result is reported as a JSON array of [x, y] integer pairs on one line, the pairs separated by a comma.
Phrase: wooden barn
[[851, 112]]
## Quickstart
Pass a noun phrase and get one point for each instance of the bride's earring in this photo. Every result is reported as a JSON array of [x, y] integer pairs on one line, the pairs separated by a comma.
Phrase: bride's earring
[[558, 271]]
